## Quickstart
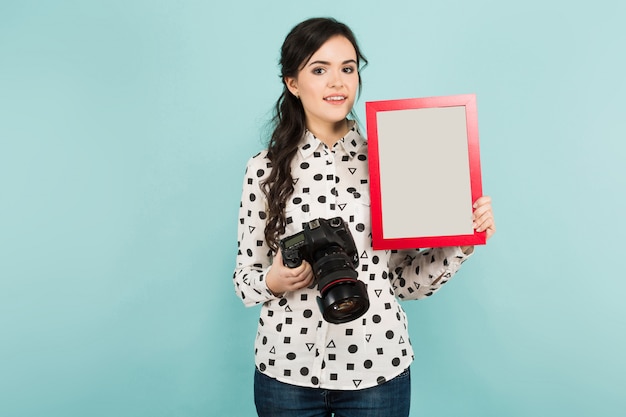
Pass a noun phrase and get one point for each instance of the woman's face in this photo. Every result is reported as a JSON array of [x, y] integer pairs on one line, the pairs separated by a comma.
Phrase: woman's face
[[327, 84]]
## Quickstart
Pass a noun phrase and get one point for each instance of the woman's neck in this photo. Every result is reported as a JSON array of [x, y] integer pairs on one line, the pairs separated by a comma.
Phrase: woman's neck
[[331, 133]]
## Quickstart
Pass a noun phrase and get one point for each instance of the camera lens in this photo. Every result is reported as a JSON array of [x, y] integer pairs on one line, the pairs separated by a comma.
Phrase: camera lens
[[346, 301], [343, 296], [344, 306]]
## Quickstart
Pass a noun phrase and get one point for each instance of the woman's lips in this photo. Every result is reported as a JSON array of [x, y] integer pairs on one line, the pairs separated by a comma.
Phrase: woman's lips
[[339, 99]]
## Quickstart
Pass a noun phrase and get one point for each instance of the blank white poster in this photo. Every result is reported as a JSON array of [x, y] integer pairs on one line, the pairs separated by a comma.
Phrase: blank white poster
[[424, 172]]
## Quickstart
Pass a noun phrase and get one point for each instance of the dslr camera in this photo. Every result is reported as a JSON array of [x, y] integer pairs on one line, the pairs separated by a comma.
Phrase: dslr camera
[[329, 247]]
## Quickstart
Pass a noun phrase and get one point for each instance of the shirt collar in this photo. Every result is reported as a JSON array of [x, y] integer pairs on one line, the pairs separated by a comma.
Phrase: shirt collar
[[348, 145]]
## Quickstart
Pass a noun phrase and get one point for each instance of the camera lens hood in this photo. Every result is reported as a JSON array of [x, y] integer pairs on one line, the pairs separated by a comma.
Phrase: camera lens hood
[[344, 301]]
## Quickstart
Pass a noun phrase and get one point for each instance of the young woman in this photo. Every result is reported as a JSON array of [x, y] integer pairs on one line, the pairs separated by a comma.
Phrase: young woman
[[316, 167]]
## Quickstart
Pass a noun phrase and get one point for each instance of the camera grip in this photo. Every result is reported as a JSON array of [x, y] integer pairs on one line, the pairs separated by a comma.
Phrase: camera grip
[[292, 258]]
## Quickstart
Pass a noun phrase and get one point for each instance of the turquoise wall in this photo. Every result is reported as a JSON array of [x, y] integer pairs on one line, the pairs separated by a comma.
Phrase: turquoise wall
[[125, 127]]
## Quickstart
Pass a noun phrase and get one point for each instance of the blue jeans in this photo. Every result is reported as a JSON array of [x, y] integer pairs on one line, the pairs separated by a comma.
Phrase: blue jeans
[[277, 399]]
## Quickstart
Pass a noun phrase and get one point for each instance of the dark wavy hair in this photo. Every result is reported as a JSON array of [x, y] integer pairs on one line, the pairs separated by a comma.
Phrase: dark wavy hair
[[289, 121]]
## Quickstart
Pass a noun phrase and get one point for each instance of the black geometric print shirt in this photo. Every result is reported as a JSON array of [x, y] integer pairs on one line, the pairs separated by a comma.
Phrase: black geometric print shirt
[[294, 344]]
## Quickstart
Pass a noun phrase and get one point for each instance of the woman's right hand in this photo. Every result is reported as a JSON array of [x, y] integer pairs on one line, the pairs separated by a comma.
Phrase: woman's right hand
[[281, 278]]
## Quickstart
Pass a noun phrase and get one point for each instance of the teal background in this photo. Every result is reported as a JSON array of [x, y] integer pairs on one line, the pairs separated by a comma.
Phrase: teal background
[[125, 127]]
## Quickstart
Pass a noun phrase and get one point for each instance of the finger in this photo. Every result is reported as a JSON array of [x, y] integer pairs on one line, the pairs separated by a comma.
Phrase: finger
[[483, 221], [295, 278], [307, 276], [482, 206], [486, 223], [481, 214], [305, 282], [310, 280], [482, 209], [489, 228], [301, 270], [301, 281], [288, 270], [482, 200]]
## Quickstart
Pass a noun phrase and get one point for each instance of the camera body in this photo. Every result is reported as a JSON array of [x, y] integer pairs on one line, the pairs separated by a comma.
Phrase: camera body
[[317, 235], [329, 247]]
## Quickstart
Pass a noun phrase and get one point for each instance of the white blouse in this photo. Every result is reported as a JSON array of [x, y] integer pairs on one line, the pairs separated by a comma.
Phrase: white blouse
[[294, 344]]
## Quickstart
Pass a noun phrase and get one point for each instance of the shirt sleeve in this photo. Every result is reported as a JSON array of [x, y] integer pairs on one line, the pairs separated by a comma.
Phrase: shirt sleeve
[[417, 274], [254, 257]]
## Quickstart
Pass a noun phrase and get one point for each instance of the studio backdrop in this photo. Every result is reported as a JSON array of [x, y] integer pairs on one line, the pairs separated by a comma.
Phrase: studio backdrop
[[125, 127]]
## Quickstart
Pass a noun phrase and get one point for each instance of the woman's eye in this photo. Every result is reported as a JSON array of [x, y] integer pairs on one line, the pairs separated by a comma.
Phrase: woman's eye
[[318, 71], [348, 70]]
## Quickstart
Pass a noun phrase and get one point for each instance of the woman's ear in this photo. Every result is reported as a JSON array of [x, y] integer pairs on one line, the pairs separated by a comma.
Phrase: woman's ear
[[292, 85]]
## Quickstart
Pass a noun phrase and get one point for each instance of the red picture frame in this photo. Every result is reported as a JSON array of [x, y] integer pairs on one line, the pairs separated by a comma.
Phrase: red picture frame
[[425, 174]]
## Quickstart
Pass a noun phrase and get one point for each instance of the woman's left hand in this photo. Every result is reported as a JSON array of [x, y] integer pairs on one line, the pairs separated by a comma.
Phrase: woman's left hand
[[483, 216]]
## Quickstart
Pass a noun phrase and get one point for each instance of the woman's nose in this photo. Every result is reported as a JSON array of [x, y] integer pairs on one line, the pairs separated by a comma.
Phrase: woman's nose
[[335, 79]]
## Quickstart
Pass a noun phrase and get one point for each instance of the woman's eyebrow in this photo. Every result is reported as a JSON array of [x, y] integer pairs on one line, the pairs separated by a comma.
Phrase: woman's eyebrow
[[348, 61]]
